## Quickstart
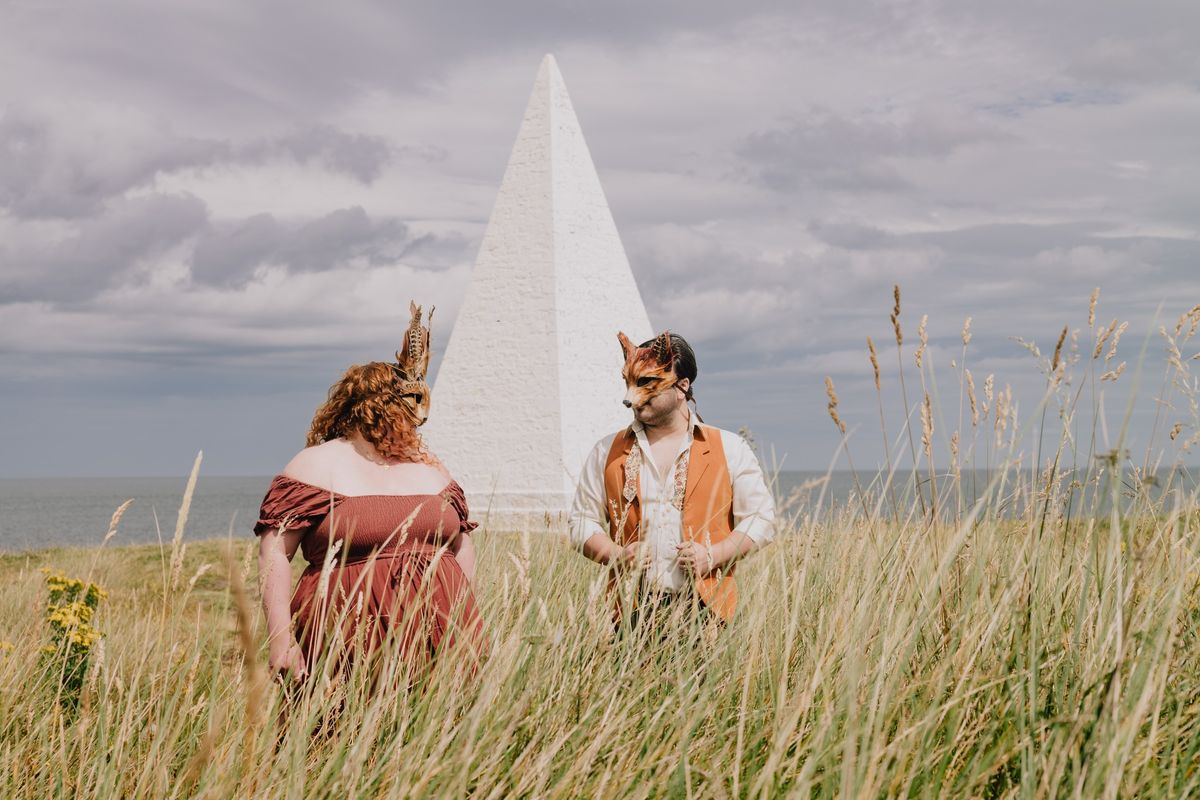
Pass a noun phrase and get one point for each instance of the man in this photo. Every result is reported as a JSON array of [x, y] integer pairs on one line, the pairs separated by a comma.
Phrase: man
[[680, 500]]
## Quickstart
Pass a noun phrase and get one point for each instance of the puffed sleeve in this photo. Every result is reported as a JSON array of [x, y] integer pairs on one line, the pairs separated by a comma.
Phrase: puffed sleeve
[[293, 505], [458, 500]]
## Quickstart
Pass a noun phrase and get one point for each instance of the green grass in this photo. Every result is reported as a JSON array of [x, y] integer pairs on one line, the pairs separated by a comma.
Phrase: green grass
[[866, 660]]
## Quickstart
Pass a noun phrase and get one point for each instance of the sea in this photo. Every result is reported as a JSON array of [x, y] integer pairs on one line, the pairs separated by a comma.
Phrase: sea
[[36, 513]]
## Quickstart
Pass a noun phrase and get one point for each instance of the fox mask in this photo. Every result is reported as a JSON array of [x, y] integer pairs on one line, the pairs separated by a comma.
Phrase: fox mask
[[648, 371], [412, 362]]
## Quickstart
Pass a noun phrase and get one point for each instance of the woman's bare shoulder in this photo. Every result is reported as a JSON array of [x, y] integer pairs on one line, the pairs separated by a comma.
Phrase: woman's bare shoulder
[[315, 465]]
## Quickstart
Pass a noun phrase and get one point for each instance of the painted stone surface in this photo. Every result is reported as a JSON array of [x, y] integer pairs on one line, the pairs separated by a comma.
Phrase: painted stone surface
[[531, 374]]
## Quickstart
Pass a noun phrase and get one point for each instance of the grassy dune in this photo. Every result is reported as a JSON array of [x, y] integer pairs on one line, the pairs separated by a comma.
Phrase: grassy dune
[[901, 645], [886, 660]]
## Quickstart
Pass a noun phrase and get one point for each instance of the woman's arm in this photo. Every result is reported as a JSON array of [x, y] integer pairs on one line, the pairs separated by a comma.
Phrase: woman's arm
[[275, 551], [464, 554]]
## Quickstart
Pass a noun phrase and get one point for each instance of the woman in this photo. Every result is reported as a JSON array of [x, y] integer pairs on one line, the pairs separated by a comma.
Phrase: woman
[[367, 497]]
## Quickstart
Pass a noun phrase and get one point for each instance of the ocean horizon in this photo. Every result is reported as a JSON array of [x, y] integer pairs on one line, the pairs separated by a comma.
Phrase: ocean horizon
[[36, 513], [48, 512]]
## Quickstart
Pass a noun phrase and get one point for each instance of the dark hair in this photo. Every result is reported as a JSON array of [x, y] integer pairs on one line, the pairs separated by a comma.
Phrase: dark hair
[[685, 359]]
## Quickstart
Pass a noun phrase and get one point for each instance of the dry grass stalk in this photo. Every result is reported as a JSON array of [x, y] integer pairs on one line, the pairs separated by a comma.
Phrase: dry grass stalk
[[1112, 375], [1195, 320], [1058, 363], [966, 332], [1191, 315], [1092, 307], [116, 519], [927, 425], [896, 315], [833, 404], [1002, 402], [1102, 338], [197, 576], [988, 387], [924, 339], [1174, 356], [252, 671], [1116, 339], [874, 362], [177, 546], [971, 398], [1062, 337]]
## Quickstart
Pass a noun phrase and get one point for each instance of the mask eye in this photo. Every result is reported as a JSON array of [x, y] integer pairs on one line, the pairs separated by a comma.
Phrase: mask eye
[[645, 381]]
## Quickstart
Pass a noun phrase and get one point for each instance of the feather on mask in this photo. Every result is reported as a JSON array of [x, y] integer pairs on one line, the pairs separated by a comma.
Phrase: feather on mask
[[412, 363]]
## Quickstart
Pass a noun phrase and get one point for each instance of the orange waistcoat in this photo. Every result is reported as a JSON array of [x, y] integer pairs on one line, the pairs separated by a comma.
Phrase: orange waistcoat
[[707, 507]]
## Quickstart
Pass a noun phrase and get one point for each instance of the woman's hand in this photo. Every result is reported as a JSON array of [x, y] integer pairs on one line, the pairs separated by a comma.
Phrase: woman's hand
[[288, 660]]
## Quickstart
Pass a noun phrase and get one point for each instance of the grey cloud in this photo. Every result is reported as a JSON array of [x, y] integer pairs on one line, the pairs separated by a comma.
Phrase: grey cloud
[[114, 246], [51, 168], [229, 252], [68, 165], [360, 156], [280, 60], [851, 235], [747, 306], [1105, 41], [838, 153]]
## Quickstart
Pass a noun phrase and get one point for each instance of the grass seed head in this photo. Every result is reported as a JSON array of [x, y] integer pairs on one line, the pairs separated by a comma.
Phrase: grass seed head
[[1062, 337], [874, 361], [1116, 339], [896, 316], [833, 403], [971, 398], [927, 425], [924, 339]]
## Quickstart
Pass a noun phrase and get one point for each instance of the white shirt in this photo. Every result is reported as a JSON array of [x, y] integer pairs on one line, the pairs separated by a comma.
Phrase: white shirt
[[662, 522]]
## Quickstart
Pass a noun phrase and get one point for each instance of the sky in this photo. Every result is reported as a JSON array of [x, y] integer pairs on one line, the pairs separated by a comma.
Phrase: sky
[[209, 209]]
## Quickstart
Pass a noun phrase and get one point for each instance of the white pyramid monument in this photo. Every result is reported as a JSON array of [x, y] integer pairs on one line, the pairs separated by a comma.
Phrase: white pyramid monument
[[531, 378]]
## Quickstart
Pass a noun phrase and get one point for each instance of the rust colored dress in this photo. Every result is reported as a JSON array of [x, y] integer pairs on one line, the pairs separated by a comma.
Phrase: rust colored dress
[[392, 575]]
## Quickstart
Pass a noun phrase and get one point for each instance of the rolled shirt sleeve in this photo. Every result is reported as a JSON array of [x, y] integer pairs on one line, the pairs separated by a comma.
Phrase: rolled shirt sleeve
[[588, 517], [753, 503]]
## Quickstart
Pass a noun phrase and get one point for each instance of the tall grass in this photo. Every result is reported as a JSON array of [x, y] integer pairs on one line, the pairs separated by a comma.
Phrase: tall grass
[[1038, 642]]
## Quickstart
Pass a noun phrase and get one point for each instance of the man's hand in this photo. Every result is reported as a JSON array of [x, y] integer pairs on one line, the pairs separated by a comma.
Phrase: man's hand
[[634, 555], [696, 558]]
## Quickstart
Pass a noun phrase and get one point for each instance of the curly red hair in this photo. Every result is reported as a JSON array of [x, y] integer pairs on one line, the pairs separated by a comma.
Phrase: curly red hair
[[365, 400]]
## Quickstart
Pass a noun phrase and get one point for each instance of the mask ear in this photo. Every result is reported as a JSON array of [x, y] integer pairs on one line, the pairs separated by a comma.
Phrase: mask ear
[[626, 345], [664, 354]]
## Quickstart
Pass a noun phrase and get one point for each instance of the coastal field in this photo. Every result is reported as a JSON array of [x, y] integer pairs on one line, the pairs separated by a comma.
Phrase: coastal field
[[1039, 643], [989, 659]]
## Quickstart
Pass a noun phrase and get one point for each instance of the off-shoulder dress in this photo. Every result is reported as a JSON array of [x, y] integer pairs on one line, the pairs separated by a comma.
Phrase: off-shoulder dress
[[390, 573]]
